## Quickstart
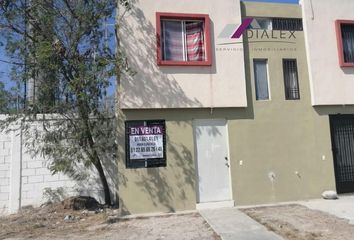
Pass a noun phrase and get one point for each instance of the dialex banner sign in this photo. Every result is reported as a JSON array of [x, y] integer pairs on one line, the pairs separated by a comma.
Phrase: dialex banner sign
[[250, 29]]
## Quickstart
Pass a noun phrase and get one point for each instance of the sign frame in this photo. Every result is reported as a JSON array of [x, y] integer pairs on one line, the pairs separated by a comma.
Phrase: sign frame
[[144, 162]]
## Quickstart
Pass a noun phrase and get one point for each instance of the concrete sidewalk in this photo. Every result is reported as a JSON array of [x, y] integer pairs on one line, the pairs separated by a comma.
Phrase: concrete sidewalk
[[232, 224], [342, 207]]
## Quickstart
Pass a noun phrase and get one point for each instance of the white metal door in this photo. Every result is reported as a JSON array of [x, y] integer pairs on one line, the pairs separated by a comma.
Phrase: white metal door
[[211, 141]]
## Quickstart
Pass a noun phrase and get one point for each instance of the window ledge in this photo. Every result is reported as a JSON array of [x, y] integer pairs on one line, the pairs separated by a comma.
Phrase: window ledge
[[184, 63], [346, 65]]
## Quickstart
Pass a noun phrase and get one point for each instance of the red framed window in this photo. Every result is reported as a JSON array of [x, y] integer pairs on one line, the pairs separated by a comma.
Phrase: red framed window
[[183, 39], [345, 42]]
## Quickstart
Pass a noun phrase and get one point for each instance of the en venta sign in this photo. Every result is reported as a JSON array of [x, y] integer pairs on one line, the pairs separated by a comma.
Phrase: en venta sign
[[145, 143]]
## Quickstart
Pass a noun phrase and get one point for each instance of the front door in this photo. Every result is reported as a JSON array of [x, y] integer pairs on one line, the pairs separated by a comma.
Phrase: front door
[[342, 130], [211, 140]]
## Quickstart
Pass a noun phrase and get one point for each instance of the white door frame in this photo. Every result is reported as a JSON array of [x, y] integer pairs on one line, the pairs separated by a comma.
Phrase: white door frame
[[221, 204]]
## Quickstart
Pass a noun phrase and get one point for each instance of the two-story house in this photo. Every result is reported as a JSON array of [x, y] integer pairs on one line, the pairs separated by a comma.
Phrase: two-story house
[[222, 110]]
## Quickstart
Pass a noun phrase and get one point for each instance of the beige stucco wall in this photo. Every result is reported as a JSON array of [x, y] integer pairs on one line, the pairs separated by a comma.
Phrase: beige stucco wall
[[331, 84], [166, 189], [257, 9], [221, 85], [269, 140], [284, 138], [290, 139]]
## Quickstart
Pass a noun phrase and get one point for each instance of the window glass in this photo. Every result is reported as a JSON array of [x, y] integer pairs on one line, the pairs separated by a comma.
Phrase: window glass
[[279, 24], [348, 42], [183, 40], [173, 40], [287, 24], [261, 79], [263, 23], [291, 82]]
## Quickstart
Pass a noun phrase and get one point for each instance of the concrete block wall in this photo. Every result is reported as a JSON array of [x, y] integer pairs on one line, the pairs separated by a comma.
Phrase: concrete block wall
[[36, 177], [5, 161], [24, 179]]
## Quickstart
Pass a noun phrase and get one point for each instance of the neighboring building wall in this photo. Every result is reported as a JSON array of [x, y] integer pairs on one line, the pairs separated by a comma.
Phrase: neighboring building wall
[[284, 145], [221, 85], [331, 84], [36, 177], [26, 180]]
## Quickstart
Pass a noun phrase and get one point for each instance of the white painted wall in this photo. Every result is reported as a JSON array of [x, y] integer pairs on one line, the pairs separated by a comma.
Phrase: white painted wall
[[23, 178], [35, 177], [5, 161], [221, 85], [330, 84]]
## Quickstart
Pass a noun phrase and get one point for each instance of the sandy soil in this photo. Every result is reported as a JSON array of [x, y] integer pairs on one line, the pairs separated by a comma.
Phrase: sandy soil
[[48, 223], [295, 222]]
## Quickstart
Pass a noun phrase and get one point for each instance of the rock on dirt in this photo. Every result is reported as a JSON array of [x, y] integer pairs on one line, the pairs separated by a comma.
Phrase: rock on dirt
[[80, 203], [330, 195], [70, 218]]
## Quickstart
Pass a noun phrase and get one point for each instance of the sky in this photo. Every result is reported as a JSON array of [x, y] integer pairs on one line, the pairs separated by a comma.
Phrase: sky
[[4, 69]]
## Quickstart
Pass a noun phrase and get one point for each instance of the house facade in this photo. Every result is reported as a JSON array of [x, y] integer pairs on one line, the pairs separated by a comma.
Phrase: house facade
[[224, 108], [329, 34]]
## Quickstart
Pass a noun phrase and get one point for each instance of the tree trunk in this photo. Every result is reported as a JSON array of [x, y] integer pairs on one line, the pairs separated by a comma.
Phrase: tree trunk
[[107, 195], [94, 155]]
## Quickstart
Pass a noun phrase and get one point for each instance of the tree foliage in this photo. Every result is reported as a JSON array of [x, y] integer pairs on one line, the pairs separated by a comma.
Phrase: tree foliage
[[10, 99], [4, 98], [59, 48]]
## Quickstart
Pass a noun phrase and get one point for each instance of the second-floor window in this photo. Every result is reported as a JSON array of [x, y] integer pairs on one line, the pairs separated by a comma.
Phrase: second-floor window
[[289, 24], [291, 82], [348, 42], [183, 39], [278, 24], [345, 40], [261, 78]]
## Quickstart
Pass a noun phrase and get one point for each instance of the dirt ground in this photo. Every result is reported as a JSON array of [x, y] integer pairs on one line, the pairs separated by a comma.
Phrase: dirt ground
[[48, 223], [295, 222]]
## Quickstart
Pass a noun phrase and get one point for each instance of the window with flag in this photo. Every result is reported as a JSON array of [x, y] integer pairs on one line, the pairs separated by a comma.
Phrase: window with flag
[[291, 81], [345, 39], [183, 39]]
